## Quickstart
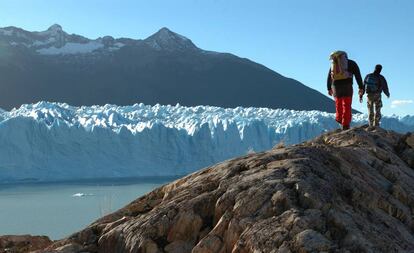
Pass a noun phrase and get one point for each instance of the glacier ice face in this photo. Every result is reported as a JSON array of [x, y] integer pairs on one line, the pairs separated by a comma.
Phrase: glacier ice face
[[55, 141]]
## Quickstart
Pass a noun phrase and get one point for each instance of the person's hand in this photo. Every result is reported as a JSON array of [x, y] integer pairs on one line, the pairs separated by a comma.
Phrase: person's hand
[[330, 92], [388, 95], [360, 99], [361, 92]]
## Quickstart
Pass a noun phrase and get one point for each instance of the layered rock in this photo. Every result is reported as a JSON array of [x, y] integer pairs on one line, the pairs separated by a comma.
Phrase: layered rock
[[350, 191], [23, 243]]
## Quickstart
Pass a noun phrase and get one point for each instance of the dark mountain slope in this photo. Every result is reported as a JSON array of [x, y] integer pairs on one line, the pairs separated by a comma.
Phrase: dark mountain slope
[[165, 68]]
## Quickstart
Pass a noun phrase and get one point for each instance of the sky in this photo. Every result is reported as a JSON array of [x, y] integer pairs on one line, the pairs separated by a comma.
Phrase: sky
[[291, 37]]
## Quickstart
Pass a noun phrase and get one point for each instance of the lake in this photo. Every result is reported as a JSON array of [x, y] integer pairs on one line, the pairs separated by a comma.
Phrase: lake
[[60, 209]]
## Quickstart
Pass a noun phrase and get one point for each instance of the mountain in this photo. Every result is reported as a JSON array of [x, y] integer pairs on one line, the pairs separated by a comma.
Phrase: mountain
[[165, 68], [58, 142], [350, 191]]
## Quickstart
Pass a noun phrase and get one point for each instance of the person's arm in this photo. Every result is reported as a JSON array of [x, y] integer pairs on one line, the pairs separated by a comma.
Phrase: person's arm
[[384, 86], [365, 80], [329, 83], [362, 91], [357, 74]]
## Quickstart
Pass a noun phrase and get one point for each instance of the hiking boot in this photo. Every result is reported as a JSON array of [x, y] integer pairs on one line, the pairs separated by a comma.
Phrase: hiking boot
[[370, 128], [340, 125], [345, 127]]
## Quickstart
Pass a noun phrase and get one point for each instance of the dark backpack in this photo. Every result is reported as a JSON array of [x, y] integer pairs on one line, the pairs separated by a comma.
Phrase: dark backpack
[[372, 84]]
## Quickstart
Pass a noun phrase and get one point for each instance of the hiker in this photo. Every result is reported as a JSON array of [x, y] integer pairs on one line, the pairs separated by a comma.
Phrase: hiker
[[375, 84], [340, 79]]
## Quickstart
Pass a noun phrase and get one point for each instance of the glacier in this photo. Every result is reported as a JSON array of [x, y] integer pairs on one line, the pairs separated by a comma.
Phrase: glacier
[[58, 142]]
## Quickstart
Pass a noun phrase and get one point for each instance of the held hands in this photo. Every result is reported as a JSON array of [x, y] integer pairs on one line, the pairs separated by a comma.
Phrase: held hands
[[330, 92]]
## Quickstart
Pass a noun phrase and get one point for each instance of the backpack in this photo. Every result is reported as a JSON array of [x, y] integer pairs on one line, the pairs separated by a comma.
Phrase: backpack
[[339, 66], [372, 84]]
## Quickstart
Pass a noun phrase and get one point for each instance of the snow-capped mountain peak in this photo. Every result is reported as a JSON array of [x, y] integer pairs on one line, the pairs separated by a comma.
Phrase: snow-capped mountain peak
[[55, 28], [165, 39], [54, 31], [55, 41], [14, 32]]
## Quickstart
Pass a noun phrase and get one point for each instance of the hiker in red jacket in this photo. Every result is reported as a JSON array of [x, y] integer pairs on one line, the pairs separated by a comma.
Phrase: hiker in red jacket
[[340, 79]]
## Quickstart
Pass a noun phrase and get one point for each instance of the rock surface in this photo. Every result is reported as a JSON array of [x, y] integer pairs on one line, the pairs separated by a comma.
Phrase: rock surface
[[22, 243], [350, 191]]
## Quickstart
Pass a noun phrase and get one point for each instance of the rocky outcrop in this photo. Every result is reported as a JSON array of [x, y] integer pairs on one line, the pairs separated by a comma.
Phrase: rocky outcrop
[[22, 243], [350, 191]]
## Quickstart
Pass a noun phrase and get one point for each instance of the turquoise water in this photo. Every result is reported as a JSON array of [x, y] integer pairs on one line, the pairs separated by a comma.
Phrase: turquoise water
[[60, 209]]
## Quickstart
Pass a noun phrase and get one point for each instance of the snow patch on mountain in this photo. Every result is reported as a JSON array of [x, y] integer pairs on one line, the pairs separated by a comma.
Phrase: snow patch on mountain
[[55, 141], [15, 32], [72, 48], [116, 46], [55, 41], [48, 41], [5, 32]]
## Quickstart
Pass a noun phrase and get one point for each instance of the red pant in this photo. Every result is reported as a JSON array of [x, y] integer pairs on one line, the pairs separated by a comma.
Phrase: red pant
[[344, 110]]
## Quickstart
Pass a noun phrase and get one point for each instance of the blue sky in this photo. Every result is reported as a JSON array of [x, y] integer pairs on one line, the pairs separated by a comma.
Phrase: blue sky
[[291, 37]]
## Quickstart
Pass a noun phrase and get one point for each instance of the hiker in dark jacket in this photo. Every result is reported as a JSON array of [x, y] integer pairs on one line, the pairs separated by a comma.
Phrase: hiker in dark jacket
[[339, 84], [374, 85]]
